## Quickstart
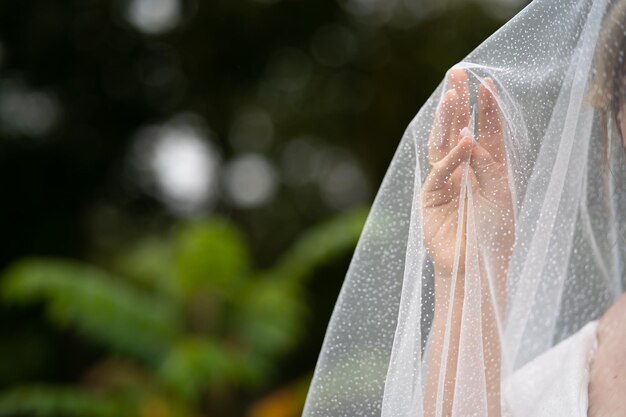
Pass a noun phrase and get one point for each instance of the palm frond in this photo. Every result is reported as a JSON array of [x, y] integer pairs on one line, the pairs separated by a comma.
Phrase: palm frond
[[101, 307], [196, 363], [149, 263], [212, 256], [269, 316]]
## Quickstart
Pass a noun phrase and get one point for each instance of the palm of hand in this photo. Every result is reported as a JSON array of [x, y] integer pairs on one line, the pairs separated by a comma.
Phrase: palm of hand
[[450, 151]]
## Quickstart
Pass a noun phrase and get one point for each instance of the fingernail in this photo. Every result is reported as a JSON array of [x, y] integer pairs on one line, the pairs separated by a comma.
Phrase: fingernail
[[488, 81]]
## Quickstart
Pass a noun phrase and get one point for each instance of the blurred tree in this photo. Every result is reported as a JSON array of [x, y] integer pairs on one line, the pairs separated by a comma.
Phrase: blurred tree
[[187, 324]]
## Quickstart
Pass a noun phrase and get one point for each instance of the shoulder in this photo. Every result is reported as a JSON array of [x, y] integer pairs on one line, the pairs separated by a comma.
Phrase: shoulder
[[607, 380]]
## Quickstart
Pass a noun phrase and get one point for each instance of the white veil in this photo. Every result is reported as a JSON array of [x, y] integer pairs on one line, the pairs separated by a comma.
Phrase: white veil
[[524, 275]]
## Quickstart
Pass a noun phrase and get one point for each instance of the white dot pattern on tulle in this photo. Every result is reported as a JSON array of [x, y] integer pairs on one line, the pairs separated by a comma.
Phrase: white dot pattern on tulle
[[498, 229]]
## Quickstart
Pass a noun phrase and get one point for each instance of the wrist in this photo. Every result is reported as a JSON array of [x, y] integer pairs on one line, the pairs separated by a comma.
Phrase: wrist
[[445, 283]]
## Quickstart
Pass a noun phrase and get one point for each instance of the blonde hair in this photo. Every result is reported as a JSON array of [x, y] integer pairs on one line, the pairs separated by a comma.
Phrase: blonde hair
[[607, 84], [608, 73]]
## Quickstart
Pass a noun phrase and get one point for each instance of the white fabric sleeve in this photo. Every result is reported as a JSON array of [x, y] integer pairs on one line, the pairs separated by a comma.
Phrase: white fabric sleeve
[[555, 384]]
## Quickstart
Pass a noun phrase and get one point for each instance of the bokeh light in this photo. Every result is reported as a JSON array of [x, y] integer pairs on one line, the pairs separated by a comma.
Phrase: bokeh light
[[250, 180], [297, 161], [178, 160], [154, 16], [26, 111], [344, 186]]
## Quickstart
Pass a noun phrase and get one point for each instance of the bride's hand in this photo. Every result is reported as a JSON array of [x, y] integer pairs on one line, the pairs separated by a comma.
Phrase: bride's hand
[[450, 149]]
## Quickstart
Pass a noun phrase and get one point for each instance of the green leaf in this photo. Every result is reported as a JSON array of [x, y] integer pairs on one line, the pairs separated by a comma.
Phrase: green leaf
[[212, 256], [67, 402], [320, 245], [270, 311], [196, 363], [99, 306], [269, 316], [149, 262]]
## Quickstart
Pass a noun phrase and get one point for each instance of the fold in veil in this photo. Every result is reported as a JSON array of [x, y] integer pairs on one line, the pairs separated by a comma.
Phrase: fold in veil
[[566, 175]]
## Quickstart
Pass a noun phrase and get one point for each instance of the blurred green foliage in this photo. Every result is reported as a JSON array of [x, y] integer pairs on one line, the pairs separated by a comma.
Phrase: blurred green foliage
[[185, 323], [112, 302]]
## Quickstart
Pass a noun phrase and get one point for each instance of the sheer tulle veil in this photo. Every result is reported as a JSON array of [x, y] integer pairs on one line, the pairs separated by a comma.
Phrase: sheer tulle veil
[[535, 101]]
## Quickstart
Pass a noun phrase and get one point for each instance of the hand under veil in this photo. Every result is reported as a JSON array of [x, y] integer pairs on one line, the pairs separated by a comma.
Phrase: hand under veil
[[497, 231], [472, 173]]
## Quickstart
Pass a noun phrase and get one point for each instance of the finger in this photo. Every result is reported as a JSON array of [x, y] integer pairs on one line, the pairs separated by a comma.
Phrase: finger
[[482, 163], [443, 170], [490, 132], [457, 79], [439, 141]]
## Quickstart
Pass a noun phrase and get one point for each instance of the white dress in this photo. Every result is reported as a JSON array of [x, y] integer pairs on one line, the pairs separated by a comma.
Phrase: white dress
[[555, 384]]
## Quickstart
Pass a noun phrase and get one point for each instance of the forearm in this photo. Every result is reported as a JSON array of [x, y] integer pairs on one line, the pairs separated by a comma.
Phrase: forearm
[[492, 351], [494, 298], [447, 323], [441, 331]]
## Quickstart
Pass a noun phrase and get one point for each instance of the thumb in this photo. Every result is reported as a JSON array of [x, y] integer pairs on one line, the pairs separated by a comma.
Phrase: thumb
[[443, 169], [482, 163]]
